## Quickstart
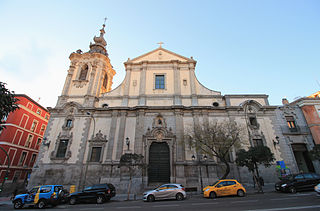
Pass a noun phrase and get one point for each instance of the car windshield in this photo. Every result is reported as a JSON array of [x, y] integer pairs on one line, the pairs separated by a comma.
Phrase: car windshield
[[34, 190], [87, 188], [288, 177], [214, 183]]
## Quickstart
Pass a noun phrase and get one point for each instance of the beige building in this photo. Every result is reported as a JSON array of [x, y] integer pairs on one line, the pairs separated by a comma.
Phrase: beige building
[[148, 113]]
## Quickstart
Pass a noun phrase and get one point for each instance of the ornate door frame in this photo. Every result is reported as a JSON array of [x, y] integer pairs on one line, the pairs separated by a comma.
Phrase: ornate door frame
[[160, 133]]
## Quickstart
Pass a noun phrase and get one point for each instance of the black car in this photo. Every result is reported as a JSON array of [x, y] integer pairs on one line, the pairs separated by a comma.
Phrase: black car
[[98, 193], [298, 182]]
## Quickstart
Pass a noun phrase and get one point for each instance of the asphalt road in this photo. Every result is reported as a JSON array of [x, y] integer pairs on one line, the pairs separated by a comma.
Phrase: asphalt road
[[255, 202]]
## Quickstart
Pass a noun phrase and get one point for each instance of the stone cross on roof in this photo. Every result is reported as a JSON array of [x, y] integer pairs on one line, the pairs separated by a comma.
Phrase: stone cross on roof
[[160, 43]]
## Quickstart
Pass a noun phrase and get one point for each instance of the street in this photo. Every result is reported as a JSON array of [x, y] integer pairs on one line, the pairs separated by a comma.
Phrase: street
[[253, 202]]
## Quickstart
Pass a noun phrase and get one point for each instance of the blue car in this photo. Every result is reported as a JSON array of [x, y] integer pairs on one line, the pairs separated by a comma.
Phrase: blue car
[[39, 196]]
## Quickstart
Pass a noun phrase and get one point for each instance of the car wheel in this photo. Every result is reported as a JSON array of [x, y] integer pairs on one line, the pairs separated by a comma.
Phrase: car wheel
[[17, 204], [100, 199], [41, 204], [240, 193], [292, 189], [212, 195], [72, 201], [179, 196], [150, 198]]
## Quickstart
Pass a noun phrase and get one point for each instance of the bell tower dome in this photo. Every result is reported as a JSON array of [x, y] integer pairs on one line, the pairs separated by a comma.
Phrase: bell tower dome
[[90, 74]]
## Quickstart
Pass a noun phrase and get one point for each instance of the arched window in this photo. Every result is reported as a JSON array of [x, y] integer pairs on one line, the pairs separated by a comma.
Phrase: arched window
[[83, 73], [105, 81]]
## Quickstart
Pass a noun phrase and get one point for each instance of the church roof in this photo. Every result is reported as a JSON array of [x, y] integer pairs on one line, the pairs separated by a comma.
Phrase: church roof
[[160, 54]]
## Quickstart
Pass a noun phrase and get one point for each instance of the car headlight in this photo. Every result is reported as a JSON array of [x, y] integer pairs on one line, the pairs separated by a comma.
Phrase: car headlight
[[206, 189], [284, 185]]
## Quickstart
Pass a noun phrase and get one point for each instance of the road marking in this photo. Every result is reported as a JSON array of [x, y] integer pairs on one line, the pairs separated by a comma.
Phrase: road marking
[[167, 205], [205, 203], [288, 208], [244, 201], [282, 198], [302, 194], [132, 207], [97, 208]]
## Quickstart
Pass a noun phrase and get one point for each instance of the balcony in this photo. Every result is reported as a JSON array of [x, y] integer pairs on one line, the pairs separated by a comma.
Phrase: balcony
[[299, 130]]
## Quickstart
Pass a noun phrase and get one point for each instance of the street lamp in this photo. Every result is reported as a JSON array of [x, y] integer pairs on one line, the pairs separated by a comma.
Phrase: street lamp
[[128, 143], [199, 164], [94, 123]]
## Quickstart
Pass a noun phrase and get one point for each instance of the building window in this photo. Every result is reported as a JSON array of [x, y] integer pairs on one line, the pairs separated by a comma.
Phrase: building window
[[63, 145], [253, 121], [105, 81], [39, 111], [38, 141], [33, 159], [291, 123], [22, 158], [69, 123], [28, 142], [95, 154], [33, 126], [257, 142], [43, 128], [185, 82], [83, 73], [159, 82], [46, 117]]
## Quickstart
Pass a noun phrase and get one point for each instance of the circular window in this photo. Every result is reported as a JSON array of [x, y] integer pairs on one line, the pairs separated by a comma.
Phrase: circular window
[[215, 104]]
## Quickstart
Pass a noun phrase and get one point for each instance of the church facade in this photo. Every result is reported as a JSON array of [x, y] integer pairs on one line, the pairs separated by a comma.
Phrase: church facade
[[148, 113]]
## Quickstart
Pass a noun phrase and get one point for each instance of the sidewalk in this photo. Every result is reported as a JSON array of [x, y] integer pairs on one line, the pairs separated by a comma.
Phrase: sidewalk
[[5, 201]]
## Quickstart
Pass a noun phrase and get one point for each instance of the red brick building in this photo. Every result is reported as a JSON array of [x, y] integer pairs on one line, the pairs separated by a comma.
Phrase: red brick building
[[310, 107], [21, 139]]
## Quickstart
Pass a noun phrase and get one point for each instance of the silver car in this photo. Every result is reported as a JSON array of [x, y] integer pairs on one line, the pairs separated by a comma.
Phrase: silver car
[[166, 191]]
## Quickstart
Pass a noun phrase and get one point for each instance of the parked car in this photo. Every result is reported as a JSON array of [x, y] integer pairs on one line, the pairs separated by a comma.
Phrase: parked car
[[39, 196], [317, 189], [98, 193], [298, 182], [166, 191], [224, 187]]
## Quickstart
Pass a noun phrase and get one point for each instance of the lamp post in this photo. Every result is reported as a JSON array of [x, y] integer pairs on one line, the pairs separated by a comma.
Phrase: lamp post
[[128, 143], [199, 164]]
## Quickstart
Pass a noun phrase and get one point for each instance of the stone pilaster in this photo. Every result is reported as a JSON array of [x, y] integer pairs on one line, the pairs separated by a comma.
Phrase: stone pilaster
[[112, 135], [142, 90], [121, 137], [67, 84]]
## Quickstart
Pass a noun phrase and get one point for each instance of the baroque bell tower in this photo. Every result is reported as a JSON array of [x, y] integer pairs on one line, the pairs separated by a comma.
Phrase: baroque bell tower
[[90, 74]]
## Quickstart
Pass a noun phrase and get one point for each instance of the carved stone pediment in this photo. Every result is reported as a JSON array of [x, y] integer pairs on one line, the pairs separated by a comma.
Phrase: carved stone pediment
[[99, 138], [79, 83]]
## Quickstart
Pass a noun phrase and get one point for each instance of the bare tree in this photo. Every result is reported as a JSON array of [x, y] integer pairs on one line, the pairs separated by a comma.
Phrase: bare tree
[[131, 161], [216, 140]]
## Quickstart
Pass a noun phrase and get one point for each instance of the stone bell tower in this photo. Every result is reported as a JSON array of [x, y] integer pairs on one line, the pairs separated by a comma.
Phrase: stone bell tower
[[90, 74]]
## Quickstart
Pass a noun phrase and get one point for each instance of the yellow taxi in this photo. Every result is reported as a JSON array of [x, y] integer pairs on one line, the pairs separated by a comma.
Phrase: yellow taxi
[[224, 187]]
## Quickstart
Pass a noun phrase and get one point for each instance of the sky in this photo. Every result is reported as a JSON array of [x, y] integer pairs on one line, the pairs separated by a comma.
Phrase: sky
[[241, 46]]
